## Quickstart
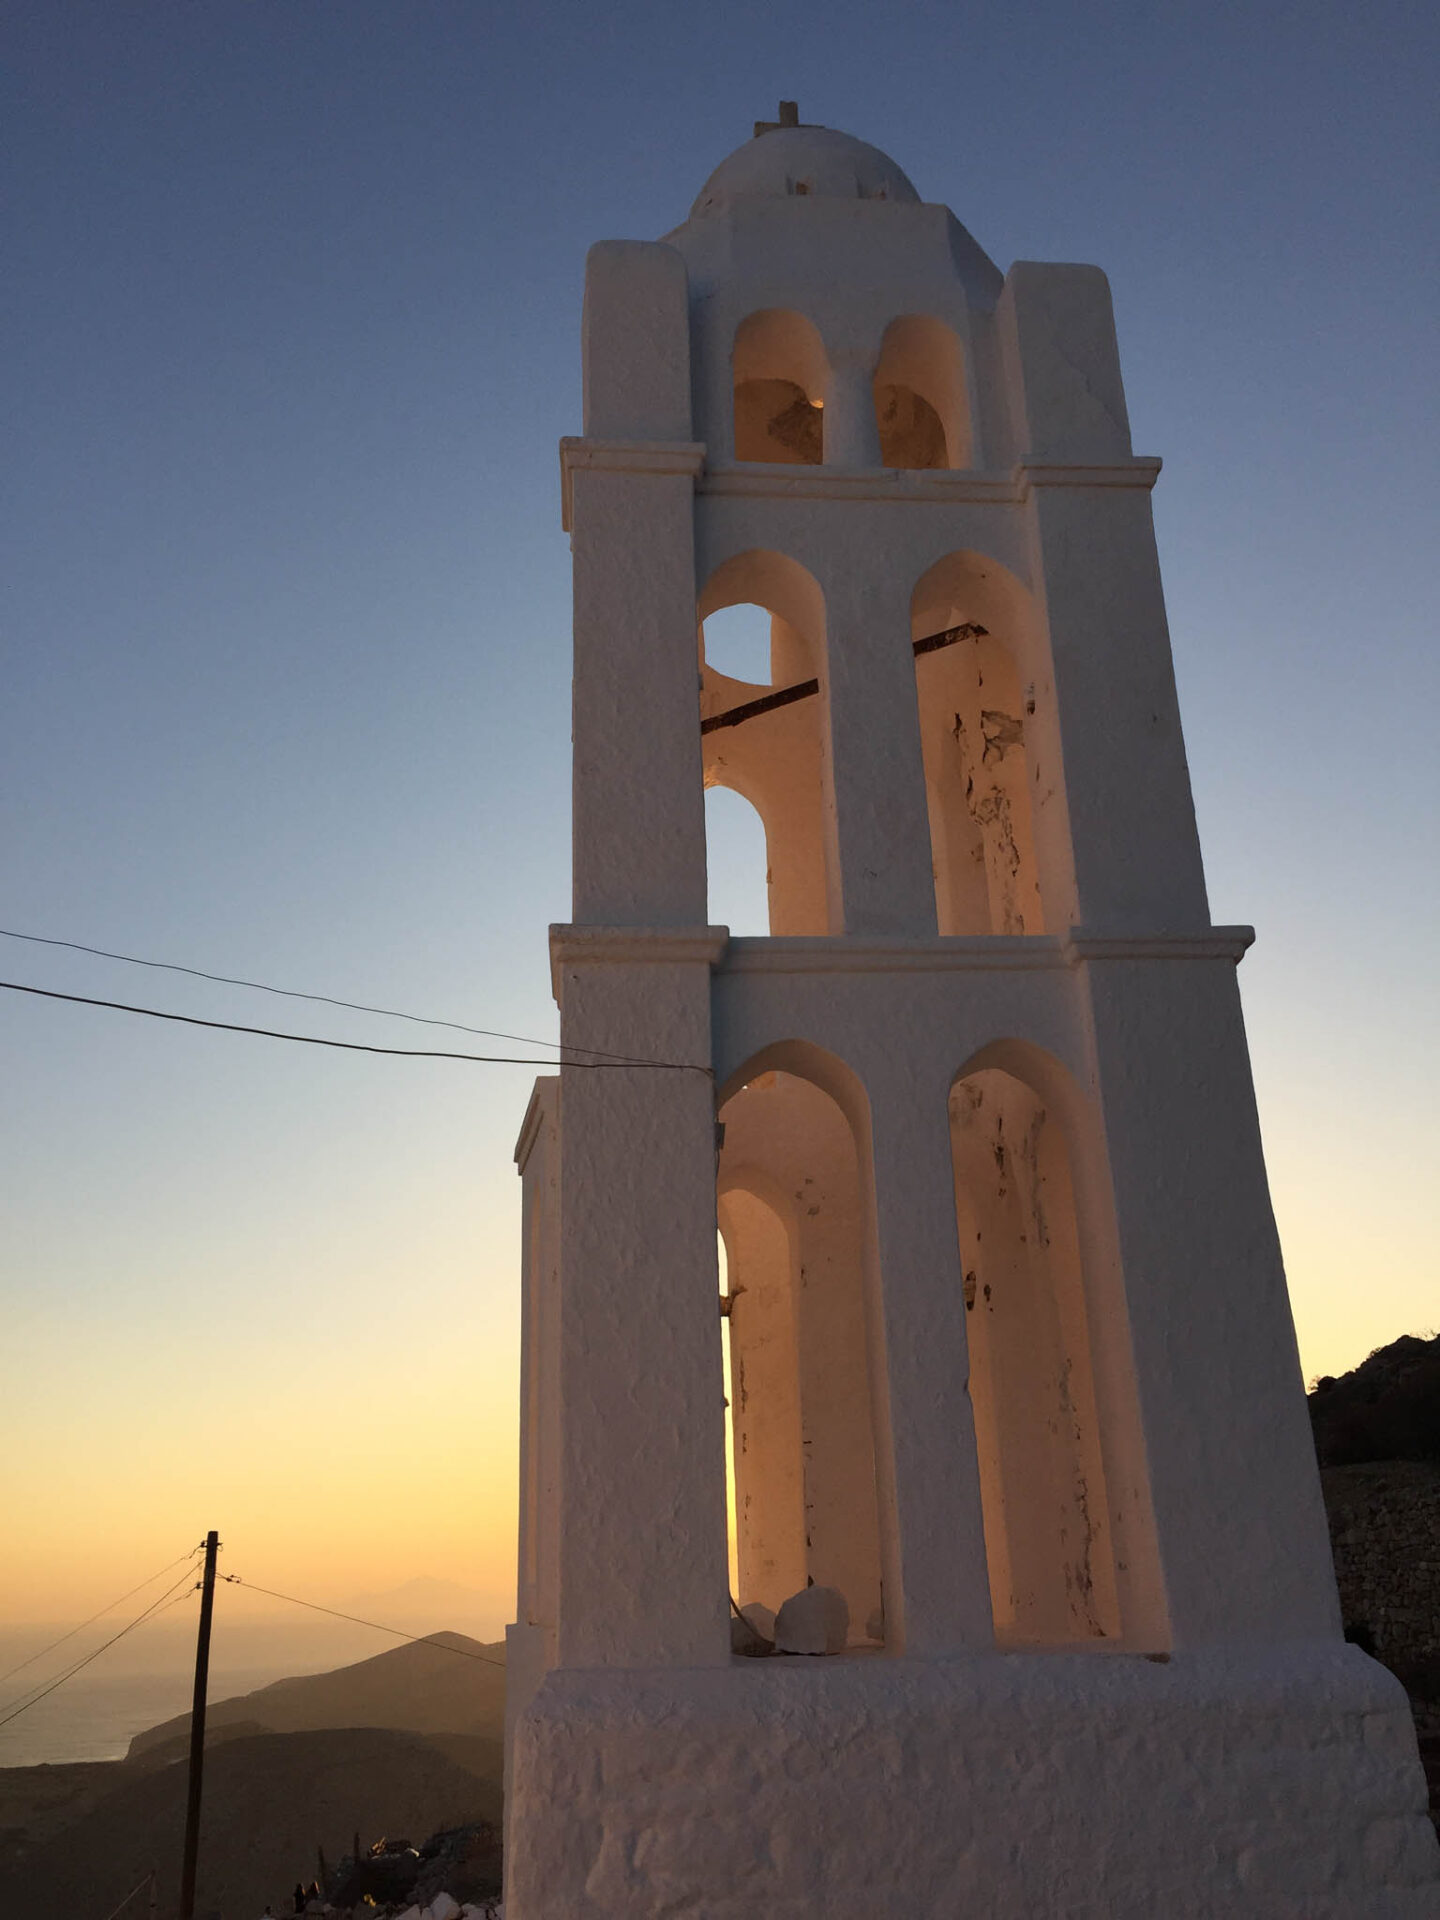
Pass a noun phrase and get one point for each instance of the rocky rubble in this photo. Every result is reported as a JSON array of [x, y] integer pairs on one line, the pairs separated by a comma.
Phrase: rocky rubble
[[442, 1907], [457, 1872]]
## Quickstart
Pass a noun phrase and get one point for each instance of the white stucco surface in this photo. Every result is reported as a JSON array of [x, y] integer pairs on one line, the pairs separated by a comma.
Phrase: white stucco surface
[[817, 159], [1273, 1788], [1012, 1365]]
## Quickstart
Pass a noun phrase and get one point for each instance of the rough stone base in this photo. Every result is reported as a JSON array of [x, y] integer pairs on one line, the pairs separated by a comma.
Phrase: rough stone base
[[1281, 1783]]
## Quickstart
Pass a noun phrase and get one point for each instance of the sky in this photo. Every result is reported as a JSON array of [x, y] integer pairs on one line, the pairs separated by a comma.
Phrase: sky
[[291, 332]]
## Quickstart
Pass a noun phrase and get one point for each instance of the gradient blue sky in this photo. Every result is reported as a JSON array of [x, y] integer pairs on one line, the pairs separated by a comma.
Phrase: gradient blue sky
[[291, 333]]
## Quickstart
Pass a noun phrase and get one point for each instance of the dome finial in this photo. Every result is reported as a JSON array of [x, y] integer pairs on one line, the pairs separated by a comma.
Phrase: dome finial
[[789, 117]]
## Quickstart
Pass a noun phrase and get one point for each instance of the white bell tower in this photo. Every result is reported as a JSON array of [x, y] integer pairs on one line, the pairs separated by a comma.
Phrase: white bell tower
[[1010, 1356]]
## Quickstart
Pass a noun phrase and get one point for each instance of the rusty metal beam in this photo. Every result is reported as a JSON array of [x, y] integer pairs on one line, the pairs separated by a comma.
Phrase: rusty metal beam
[[802, 690]]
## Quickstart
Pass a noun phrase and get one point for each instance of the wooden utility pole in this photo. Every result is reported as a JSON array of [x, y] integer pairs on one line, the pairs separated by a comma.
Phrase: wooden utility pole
[[197, 1731]]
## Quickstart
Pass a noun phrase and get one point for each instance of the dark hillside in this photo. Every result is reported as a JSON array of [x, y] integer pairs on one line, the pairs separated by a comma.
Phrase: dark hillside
[[1387, 1408], [1377, 1435], [270, 1800]]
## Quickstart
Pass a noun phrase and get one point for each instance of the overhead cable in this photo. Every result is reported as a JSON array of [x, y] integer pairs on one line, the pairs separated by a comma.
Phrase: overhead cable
[[420, 1639], [96, 1616], [623, 1063], [293, 993], [139, 1887], [156, 1606]]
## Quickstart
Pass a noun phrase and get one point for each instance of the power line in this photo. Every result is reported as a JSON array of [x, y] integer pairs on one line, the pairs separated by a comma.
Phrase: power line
[[24, 1701], [184, 1594], [420, 1639], [139, 1887], [180, 1590], [96, 1616], [154, 1607], [293, 993], [352, 1046]]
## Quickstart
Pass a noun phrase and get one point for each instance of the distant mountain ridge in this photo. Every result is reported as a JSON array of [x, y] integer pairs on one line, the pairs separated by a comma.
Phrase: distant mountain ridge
[[425, 1597], [447, 1683]]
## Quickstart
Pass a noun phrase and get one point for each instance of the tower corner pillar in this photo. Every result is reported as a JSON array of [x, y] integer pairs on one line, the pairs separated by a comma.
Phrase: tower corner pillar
[[638, 797], [1133, 836], [1239, 1524], [642, 1579]]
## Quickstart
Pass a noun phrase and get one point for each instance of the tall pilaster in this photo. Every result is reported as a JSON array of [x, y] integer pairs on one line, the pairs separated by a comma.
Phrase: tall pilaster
[[936, 1592], [878, 819], [642, 1479], [1240, 1529]]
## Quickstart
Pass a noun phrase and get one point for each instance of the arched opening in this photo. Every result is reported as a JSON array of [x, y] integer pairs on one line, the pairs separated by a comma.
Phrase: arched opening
[[922, 410], [975, 715], [738, 643], [779, 369], [761, 737], [791, 1213], [737, 894], [1048, 1535]]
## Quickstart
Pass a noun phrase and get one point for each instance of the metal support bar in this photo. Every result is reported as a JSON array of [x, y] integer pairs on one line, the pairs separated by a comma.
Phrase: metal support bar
[[802, 690]]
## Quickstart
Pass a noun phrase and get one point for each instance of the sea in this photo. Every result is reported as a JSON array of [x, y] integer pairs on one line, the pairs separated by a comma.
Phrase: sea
[[95, 1715], [97, 1720]]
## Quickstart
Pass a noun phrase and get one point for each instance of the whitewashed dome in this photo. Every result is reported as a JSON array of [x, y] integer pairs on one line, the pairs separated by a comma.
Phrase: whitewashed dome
[[817, 160]]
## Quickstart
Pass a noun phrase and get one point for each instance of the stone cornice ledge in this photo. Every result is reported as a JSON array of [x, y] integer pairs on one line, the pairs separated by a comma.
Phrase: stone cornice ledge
[[1209, 943], [625, 946], [534, 1117], [624, 456], [851, 953], [1141, 471], [958, 953], [756, 480]]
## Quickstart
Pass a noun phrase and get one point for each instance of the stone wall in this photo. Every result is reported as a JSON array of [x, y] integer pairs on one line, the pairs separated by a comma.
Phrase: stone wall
[[1385, 1533]]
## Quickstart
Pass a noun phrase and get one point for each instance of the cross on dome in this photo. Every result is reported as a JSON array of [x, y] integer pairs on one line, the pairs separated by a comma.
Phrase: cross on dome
[[789, 117]]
